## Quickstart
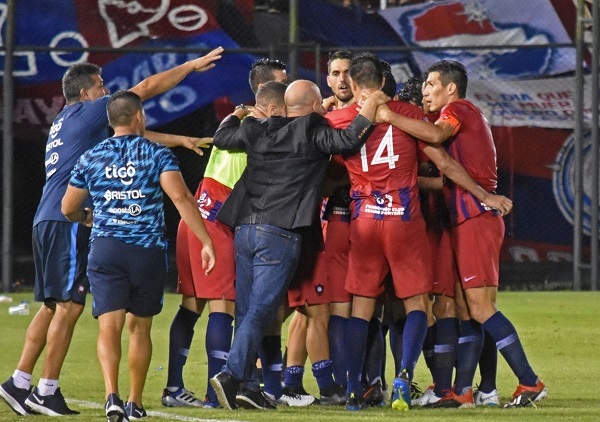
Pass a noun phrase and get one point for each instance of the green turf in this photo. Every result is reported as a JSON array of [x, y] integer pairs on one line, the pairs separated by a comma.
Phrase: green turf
[[560, 332]]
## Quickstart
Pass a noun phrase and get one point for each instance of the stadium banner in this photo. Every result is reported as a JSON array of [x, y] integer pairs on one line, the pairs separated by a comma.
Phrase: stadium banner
[[479, 23], [535, 102], [119, 24]]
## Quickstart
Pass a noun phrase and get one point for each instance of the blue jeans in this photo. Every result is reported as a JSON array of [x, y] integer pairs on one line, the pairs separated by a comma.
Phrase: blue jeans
[[266, 258]]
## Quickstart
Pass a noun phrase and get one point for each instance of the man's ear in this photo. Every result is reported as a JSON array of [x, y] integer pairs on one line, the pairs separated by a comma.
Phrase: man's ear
[[382, 83], [451, 88]]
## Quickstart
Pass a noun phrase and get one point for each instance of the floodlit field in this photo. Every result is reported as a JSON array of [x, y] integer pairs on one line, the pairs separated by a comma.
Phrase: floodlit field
[[560, 332]]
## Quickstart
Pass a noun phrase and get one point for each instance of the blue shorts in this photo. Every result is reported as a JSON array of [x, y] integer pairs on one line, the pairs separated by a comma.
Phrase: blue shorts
[[124, 276], [60, 254]]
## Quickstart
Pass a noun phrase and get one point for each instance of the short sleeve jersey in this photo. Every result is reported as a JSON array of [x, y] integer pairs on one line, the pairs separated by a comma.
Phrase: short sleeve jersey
[[122, 175], [76, 129], [383, 174], [472, 146]]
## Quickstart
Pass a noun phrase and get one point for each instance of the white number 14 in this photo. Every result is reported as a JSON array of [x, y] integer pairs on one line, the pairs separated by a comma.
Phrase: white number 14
[[386, 144]]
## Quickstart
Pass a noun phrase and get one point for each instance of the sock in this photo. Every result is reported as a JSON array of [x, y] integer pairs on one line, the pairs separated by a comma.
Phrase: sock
[[180, 339], [357, 331], [412, 340], [445, 352], [337, 348], [375, 352], [293, 376], [22, 379], [488, 364], [429, 349], [271, 362], [47, 387], [508, 343], [470, 343], [323, 372], [219, 331], [396, 334]]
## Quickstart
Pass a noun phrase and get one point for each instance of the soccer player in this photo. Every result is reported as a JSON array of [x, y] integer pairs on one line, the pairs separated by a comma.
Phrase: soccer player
[[320, 289], [274, 202], [223, 170], [387, 225], [60, 248], [125, 177], [477, 230]]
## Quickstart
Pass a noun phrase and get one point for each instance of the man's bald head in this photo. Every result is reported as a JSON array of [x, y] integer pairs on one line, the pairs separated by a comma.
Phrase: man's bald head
[[303, 97]]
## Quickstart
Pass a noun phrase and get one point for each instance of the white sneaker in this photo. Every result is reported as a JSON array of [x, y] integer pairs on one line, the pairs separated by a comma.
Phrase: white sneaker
[[292, 399], [427, 398], [180, 398], [486, 399]]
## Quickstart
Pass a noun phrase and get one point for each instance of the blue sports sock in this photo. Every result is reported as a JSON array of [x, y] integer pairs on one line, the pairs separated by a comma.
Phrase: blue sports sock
[[412, 340], [488, 364], [337, 348], [396, 334], [219, 331], [357, 331], [271, 362], [445, 352], [375, 352], [293, 376], [508, 343], [180, 339], [323, 372], [429, 349], [470, 343]]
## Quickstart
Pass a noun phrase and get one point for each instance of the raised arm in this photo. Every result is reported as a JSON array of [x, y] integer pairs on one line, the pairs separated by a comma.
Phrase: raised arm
[[174, 186], [431, 133], [162, 82], [457, 173], [349, 140], [170, 141]]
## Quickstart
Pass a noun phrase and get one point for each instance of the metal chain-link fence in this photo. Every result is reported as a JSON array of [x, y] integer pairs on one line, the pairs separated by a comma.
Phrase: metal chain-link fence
[[520, 57]]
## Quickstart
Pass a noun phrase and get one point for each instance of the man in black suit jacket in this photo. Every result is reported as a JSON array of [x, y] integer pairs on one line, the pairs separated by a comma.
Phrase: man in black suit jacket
[[275, 200]]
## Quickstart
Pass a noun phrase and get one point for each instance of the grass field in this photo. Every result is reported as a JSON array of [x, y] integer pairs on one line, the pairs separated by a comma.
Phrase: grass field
[[560, 332]]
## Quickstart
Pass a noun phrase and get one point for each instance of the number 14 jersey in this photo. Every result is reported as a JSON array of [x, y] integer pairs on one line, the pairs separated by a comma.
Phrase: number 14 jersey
[[383, 175]]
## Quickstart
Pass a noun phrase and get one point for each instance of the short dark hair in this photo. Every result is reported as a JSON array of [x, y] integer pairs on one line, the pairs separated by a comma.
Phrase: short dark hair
[[271, 92], [262, 71], [78, 77], [452, 71], [389, 85], [122, 106], [338, 55], [412, 90], [366, 70]]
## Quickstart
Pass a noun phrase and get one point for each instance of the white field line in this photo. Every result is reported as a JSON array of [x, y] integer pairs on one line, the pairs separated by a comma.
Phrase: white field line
[[161, 415]]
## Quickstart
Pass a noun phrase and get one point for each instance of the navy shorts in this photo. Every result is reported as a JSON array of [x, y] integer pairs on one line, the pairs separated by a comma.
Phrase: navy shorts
[[124, 276], [60, 254]]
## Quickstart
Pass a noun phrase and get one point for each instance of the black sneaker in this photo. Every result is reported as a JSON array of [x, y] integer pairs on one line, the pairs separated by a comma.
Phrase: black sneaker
[[226, 387], [354, 403], [15, 397], [114, 409], [53, 405], [134, 412], [249, 399], [373, 396], [334, 395]]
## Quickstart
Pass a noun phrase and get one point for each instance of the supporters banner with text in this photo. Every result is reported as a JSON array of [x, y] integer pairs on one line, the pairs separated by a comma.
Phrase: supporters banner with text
[[541, 102], [118, 24]]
